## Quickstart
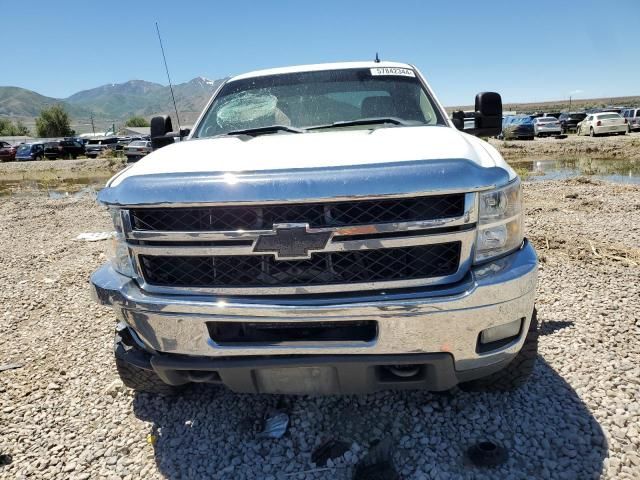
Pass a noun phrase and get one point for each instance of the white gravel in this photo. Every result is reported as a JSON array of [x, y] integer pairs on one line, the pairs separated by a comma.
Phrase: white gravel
[[65, 415]]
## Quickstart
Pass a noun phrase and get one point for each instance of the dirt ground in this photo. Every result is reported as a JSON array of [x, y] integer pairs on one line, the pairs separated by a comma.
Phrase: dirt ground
[[63, 413], [625, 147], [60, 169]]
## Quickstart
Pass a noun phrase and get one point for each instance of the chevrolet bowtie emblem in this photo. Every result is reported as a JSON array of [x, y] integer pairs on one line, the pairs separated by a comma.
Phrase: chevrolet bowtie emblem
[[292, 242]]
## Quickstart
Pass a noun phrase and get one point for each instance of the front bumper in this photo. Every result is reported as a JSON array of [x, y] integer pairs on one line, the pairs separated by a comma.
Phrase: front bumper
[[421, 321]]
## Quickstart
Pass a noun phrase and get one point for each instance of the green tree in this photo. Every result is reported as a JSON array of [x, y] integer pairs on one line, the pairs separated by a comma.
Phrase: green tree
[[137, 122], [21, 129], [9, 129], [5, 126], [54, 122]]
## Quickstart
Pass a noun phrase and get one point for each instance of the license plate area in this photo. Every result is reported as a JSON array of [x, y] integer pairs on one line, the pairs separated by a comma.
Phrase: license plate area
[[254, 334], [320, 380]]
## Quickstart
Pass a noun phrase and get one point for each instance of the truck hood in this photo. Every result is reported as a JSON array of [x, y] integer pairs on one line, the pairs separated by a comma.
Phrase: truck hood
[[308, 167], [287, 151]]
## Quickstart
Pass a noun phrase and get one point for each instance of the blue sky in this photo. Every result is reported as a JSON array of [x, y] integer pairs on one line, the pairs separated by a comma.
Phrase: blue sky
[[527, 51]]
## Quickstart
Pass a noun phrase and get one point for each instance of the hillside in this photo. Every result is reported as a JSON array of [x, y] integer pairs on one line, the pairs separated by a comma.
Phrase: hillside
[[112, 102], [20, 102]]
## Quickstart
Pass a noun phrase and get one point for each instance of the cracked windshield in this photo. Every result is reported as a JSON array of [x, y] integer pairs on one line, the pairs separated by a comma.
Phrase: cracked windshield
[[311, 99]]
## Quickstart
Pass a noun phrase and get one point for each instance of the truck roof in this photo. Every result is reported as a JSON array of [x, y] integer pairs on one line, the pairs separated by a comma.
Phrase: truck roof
[[318, 67]]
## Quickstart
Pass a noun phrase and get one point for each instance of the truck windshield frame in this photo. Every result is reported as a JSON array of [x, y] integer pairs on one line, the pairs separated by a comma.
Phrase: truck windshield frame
[[310, 98]]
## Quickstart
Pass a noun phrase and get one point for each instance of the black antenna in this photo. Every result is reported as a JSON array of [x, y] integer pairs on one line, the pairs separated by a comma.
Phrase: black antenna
[[377, 60], [168, 77]]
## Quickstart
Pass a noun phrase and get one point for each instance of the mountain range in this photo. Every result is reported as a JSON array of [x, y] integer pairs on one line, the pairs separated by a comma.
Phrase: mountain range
[[113, 102]]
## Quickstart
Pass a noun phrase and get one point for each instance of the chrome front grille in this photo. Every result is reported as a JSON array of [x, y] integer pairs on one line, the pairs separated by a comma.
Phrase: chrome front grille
[[372, 244]]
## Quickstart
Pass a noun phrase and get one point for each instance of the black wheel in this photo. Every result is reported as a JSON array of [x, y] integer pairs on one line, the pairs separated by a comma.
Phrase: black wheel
[[142, 380], [37, 158], [591, 132], [514, 375]]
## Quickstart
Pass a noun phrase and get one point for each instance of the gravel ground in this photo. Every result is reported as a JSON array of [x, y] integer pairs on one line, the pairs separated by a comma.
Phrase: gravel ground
[[619, 147], [63, 414]]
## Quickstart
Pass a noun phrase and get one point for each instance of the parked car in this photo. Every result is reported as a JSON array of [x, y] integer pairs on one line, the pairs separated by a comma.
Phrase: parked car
[[297, 278], [95, 146], [137, 149], [546, 126], [517, 127], [30, 151], [602, 124], [632, 116], [569, 121], [64, 149], [7, 152]]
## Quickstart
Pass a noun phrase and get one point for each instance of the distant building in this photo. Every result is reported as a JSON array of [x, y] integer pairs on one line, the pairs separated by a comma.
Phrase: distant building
[[136, 131]]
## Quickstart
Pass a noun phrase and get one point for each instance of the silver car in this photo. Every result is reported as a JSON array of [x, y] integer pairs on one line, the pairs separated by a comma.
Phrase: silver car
[[137, 149], [546, 126], [632, 116]]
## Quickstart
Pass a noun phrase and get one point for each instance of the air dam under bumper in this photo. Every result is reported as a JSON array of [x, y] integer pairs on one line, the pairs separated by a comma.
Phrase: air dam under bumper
[[438, 328]]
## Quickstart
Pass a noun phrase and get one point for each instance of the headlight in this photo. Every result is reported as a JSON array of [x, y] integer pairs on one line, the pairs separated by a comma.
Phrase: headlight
[[118, 251], [500, 227]]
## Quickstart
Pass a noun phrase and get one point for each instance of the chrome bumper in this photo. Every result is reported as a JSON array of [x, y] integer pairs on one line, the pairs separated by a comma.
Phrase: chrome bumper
[[445, 319]]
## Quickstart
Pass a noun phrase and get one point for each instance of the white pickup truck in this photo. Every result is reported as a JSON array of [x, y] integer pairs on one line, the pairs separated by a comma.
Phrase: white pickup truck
[[322, 229]]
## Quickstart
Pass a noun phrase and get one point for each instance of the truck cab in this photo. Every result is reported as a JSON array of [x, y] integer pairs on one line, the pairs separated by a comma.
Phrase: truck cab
[[323, 229]]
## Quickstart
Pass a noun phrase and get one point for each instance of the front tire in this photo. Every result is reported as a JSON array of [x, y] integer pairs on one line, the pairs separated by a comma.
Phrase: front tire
[[142, 380], [517, 372]]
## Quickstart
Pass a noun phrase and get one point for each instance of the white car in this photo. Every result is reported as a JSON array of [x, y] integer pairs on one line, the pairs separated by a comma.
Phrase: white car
[[605, 123], [546, 126]]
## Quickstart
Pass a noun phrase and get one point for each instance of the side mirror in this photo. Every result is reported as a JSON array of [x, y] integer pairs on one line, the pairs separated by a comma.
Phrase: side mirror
[[488, 115], [457, 118], [160, 127]]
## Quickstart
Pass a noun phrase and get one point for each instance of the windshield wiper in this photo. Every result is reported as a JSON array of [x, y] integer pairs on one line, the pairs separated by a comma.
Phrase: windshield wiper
[[264, 130], [362, 121]]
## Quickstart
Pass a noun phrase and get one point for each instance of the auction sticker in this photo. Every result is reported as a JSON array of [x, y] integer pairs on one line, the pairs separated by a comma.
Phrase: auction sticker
[[403, 72]]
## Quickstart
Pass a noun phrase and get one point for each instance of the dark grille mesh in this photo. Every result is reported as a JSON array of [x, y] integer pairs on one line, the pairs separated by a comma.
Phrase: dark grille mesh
[[423, 261], [315, 214]]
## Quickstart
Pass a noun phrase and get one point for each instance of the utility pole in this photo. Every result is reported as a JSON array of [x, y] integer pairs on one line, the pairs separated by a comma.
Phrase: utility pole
[[93, 127], [569, 102]]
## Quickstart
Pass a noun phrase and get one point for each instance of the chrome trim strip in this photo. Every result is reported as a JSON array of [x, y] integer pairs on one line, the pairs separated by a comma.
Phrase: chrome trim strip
[[333, 246], [311, 185], [300, 290]]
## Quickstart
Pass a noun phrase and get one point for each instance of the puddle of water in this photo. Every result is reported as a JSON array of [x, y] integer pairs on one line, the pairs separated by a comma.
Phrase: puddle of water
[[613, 170], [72, 188]]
